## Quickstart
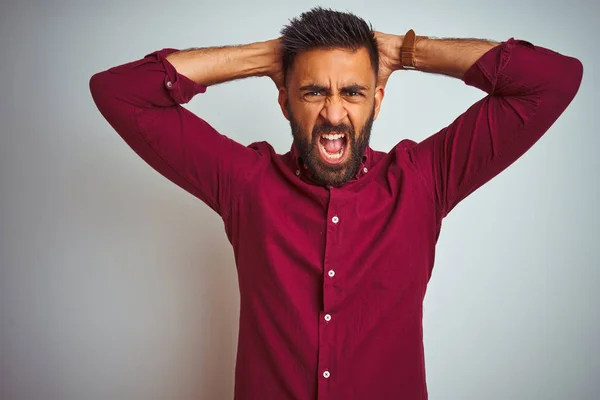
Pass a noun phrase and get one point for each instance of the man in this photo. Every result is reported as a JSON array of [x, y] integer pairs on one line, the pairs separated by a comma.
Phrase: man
[[334, 242]]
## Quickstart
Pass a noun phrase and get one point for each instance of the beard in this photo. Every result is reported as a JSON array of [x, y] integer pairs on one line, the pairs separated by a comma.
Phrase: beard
[[324, 173]]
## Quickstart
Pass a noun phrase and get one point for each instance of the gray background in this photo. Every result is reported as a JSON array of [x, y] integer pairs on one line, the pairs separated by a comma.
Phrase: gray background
[[116, 284]]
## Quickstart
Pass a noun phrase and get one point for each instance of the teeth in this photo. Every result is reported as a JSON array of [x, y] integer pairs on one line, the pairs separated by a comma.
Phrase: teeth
[[332, 156], [331, 136]]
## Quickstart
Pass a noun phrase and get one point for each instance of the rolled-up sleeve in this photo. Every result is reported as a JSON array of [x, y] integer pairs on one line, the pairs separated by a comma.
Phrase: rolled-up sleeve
[[528, 87], [142, 101]]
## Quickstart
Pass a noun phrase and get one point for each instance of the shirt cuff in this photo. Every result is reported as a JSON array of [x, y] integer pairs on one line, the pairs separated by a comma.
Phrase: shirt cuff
[[484, 73], [180, 88]]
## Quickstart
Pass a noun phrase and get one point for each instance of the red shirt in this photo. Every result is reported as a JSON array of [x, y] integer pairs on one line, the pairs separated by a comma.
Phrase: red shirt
[[332, 280]]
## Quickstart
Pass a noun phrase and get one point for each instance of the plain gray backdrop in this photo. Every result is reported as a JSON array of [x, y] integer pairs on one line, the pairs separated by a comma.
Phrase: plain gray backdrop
[[116, 284]]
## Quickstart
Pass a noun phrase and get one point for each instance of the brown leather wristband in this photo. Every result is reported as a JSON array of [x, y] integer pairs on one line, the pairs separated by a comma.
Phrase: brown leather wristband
[[407, 51]]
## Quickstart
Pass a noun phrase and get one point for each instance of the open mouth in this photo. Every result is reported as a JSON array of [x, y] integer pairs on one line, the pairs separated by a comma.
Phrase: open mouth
[[332, 147]]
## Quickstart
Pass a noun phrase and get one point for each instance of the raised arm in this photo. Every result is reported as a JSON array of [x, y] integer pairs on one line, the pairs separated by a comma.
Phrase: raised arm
[[210, 66], [528, 88], [142, 101]]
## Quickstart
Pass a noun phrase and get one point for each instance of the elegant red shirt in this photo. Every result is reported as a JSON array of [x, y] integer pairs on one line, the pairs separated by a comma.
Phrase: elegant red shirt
[[332, 280]]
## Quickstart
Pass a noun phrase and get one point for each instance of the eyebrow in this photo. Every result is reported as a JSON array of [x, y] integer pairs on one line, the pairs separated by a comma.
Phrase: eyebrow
[[313, 87]]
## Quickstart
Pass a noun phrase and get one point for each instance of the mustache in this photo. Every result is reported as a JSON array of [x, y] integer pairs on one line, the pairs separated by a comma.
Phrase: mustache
[[328, 128]]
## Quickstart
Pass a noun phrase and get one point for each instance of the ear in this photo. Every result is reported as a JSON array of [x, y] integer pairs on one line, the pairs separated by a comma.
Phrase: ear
[[283, 100], [379, 94]]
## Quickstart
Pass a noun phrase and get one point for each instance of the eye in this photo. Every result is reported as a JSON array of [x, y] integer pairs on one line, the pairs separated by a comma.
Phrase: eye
[[312, 96], [353, 94]]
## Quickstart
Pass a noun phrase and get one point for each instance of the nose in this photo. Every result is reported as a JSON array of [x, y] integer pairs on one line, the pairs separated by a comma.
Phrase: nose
[[333, 111]]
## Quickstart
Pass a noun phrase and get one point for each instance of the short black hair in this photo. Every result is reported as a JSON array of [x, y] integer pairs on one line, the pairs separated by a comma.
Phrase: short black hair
[[322, 28]]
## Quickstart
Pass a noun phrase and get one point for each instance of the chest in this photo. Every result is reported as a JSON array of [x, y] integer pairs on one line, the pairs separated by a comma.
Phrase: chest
[[378, 236]]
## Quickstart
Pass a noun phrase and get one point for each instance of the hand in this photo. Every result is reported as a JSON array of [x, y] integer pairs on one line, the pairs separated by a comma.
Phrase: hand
[[276, 70], [277, 77], [389, 55]]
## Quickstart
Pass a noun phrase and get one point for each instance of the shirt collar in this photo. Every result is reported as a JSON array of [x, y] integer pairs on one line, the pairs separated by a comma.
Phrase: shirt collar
[[301, 170]]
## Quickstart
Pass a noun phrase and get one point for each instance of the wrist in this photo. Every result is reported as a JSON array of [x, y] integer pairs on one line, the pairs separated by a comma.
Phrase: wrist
[[421, 46], [268, 57], [397, 59], [413, 47]]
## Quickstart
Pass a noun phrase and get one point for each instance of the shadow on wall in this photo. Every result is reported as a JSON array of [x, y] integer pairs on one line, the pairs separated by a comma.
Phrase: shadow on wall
[[218, 347], [168, 327]]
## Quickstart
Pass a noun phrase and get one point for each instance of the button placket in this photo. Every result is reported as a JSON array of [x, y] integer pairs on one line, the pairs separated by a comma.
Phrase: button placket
[[327, 354]]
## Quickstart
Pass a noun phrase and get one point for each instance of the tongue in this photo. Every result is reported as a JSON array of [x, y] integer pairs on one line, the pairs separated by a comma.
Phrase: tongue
[[332, 146]]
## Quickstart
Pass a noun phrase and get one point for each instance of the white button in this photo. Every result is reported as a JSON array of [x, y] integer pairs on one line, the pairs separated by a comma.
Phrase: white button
[[169, 84], [297, 172], [335, 219], [365, 170], [326, 374], [331, 273], [327, 317]]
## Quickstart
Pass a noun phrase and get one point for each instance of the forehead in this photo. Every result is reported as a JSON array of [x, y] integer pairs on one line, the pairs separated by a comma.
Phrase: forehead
[[333, 66]]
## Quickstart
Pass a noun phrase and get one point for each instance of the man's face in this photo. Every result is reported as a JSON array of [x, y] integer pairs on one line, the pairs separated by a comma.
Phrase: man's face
[[331, 102]]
